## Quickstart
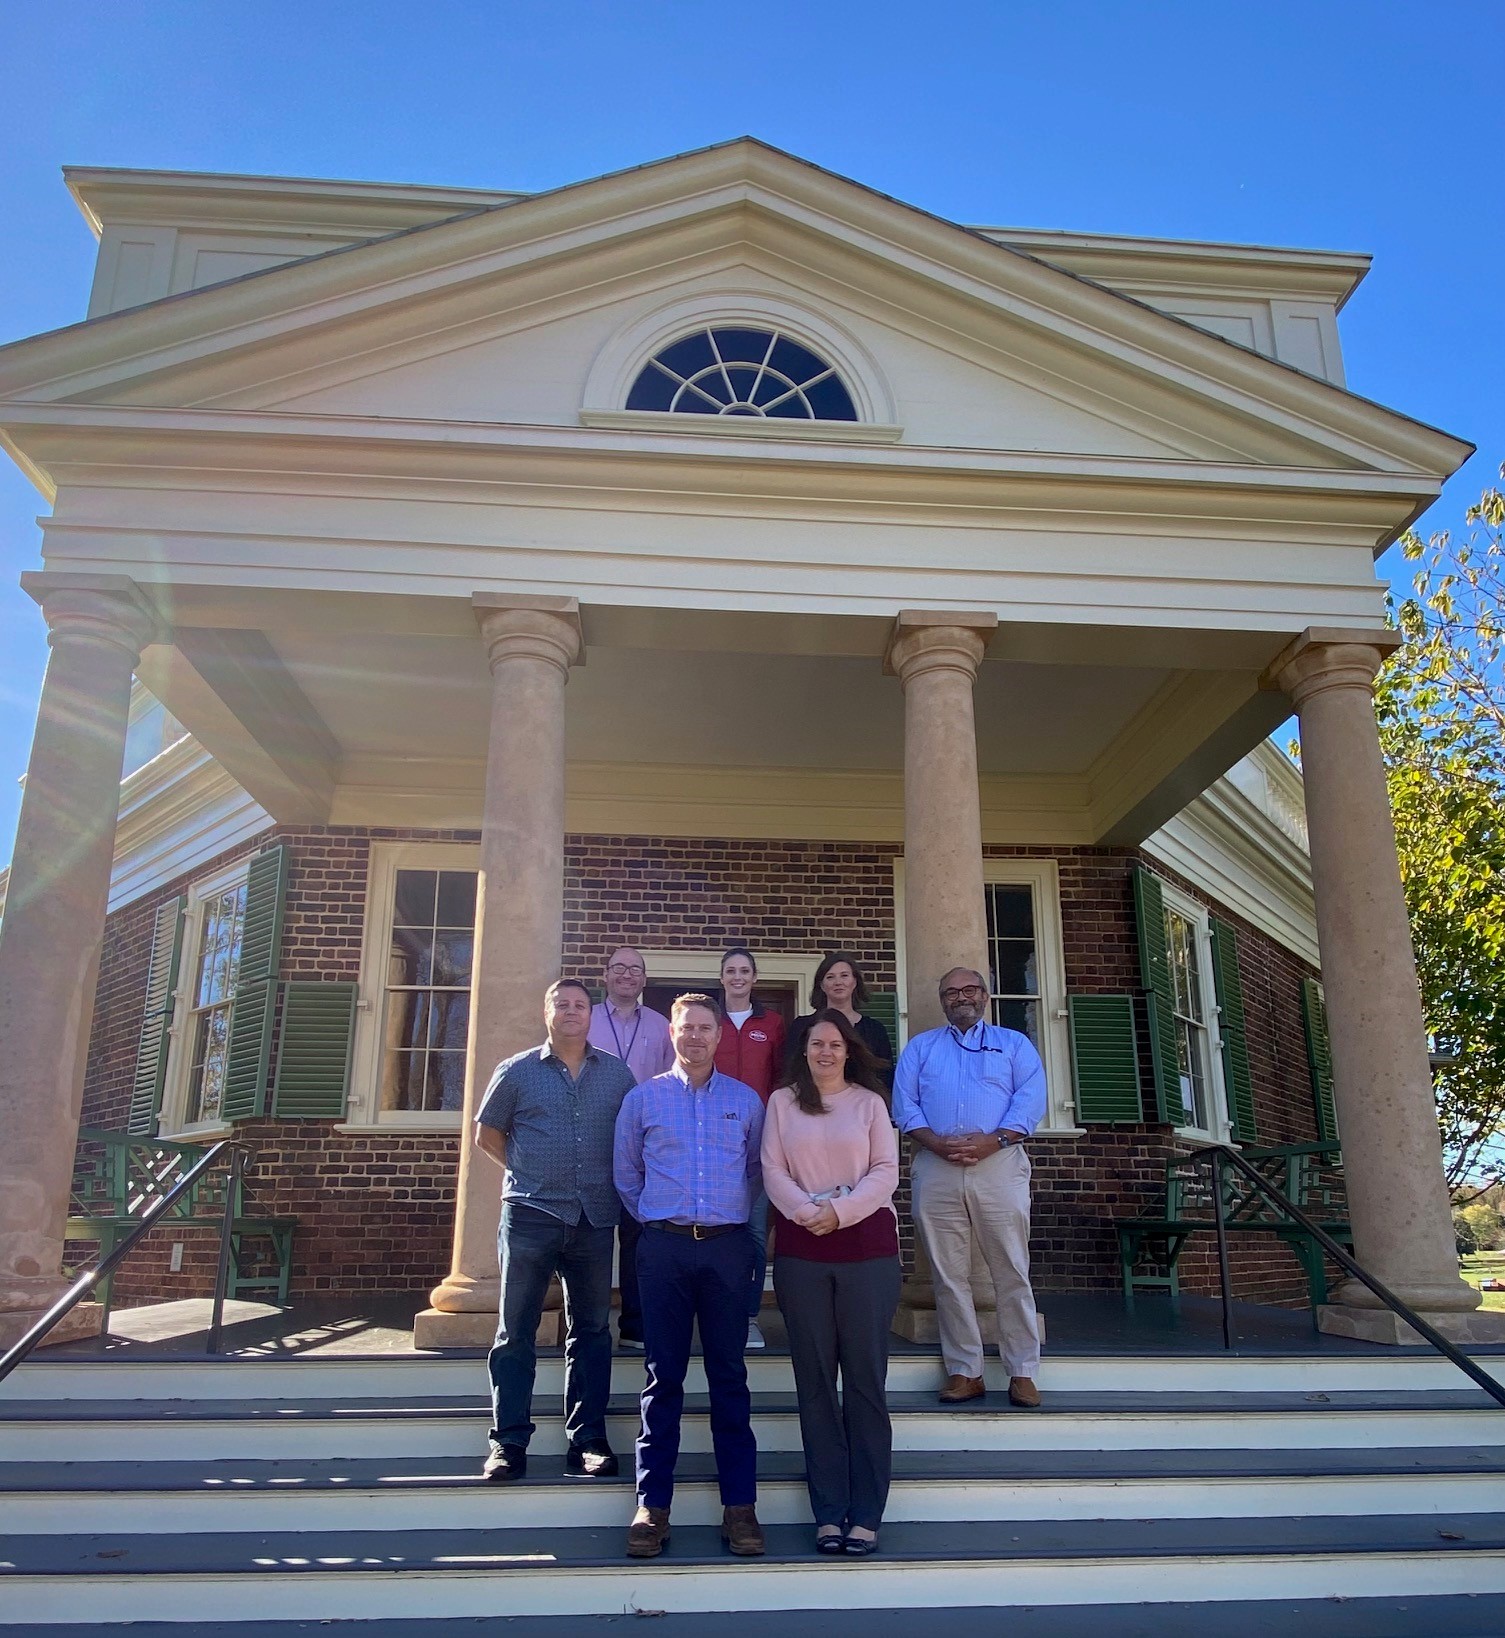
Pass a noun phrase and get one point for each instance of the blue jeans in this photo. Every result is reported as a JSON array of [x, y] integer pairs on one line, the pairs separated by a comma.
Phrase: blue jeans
[[532, 1246], [757, 1221], [684, 1281]]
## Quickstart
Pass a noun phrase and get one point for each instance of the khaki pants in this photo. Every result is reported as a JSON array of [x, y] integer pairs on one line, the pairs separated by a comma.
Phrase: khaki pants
[[986, 1205]]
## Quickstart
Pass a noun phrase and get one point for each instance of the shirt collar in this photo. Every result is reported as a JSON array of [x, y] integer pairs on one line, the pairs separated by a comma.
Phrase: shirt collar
[[676, 1069], [547, 1051], [609, 1006], [976, 1036]]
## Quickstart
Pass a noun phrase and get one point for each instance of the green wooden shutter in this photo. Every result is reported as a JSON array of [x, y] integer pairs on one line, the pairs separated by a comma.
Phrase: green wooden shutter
[[261, 936], [1319, 1058], [884, 1006], [313, 1055], [1237, 1080], [1104, 1059], [249, 1052], [1159, 999], [156, 1020]]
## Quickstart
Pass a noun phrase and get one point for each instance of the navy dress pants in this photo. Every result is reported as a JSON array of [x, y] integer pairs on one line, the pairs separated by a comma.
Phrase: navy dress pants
[[684, 1282]]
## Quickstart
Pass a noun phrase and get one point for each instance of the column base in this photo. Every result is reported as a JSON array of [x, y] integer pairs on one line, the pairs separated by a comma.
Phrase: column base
[[1380, 1325], [434, 1328], [917, 1324], [84, 1321]]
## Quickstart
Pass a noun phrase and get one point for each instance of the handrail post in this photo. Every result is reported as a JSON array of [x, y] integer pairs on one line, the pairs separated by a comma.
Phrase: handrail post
[[1219, 1221], [226, 1237]]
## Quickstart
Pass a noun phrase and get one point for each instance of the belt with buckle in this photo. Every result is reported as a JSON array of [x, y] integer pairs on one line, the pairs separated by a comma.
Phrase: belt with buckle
[[694, 1231]]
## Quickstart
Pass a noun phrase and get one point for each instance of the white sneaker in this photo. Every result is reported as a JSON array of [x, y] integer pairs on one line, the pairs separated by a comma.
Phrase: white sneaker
[[755, 1335]]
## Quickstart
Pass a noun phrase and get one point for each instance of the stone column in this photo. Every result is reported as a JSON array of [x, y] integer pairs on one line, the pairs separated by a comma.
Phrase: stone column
[[936, 656], [531, 643], [1382, 1085], [54, 925]]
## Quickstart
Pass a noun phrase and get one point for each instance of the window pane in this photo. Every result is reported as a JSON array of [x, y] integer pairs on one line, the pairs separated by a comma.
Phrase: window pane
[[452, 958], [797, 362], [831, 401], [445, 1088], [407, 1018], [1011, 912], [792, 409], [743, 379], [653, 390], [747, 346], [687, 357], [411, 951], [712, 383], [413, 905], [457, 898], [449, 1020], [402, 1080], [208, 1080], [1013, 968], [1020, 1015], [773, 385]]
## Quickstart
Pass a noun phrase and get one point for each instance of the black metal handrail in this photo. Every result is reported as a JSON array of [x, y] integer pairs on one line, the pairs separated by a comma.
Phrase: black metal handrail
[[106, 1266], [1218, 1156]]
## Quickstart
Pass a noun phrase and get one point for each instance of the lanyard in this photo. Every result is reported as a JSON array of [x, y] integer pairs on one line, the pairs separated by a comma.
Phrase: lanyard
[[637, 1024]]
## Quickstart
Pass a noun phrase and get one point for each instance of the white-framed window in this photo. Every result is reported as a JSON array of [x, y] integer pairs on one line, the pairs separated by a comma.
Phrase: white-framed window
[[208, 971], [413, 1018], [1027, 968], [1199, 1057]]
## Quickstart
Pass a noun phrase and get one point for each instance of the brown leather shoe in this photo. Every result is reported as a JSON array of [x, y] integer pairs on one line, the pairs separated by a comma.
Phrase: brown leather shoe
[[741, 1531], [1022, 1391], [961, 1388], [648, 1534]]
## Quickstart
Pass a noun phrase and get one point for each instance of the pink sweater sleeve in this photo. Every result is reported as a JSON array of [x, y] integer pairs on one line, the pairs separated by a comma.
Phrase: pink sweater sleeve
[[791, 1200], [875, 1189]]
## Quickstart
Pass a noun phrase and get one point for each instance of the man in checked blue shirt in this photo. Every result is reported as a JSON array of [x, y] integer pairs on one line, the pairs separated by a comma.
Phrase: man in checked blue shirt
[[688, 1166], [967, 1096], [549, 1116]]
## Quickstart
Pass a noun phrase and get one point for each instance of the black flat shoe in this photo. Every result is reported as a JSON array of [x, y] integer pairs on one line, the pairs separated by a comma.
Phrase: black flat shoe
[[832, 1546], [505, 1463], [856, 1547]]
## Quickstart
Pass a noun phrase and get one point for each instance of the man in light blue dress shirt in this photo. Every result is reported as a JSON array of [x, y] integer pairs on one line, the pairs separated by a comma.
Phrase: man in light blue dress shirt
[[967, 1096]]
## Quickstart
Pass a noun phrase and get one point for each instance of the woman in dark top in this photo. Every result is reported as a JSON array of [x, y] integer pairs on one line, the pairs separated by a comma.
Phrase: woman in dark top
[[830, 1165], [839, 985]]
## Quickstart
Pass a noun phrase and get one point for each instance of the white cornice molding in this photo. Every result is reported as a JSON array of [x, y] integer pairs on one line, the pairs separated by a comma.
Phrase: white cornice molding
[[125, 436], [768, 192], [178, 812]]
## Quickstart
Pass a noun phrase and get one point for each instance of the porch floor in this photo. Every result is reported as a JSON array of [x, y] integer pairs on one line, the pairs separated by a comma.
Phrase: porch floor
[[347, 1326]]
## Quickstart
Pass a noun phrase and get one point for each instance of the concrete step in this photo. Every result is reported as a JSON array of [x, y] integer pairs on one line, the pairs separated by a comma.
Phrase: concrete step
[[228, 1578], [406, 1376], [1458, 1615], [318, 1496], [454, 1426]]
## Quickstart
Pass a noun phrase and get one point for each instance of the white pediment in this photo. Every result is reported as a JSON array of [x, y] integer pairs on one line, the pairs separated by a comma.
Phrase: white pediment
[[500, 315]]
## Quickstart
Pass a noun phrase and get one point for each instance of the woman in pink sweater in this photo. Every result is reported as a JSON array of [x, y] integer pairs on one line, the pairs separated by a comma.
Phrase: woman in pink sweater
[[830, 1166]]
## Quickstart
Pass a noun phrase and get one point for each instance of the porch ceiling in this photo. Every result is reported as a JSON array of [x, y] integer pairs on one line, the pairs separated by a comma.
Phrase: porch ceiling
[[428, 697]]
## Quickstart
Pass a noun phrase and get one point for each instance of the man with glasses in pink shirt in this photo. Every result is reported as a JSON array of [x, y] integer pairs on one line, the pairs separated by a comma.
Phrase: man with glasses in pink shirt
[[639, 1036]]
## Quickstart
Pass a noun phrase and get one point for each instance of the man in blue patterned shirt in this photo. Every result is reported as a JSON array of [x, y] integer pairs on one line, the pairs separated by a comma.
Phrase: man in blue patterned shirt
[[967, 1097], [549, 1116], [688, 1165]]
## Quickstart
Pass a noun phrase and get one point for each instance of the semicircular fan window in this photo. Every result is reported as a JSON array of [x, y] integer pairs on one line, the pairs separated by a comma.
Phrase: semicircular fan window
[[737, 370]]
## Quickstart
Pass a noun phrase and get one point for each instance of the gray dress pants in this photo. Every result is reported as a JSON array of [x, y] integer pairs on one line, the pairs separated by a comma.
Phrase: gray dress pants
[[838, 1317]]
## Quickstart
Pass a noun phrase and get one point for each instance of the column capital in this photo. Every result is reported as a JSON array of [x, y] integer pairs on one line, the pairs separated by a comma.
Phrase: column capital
[[111, 608], [924, 640], [1330, 657], [517, 626]]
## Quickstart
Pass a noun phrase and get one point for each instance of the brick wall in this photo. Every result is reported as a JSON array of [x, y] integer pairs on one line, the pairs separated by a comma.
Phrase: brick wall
[[375, 1211]]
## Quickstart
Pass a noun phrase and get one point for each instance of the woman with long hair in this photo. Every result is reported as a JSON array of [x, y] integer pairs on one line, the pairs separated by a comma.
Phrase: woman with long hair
[[830, 1166], [839, 985]]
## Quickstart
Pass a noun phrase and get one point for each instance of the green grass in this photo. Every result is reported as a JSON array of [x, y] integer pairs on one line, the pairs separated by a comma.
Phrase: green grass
[[1485, 1265]]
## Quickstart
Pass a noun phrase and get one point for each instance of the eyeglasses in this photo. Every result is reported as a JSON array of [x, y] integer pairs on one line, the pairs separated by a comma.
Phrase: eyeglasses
[[622, 970], [968, 992]]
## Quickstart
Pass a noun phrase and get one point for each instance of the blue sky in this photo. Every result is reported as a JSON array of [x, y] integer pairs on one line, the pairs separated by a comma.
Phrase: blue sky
[[1348, 124]]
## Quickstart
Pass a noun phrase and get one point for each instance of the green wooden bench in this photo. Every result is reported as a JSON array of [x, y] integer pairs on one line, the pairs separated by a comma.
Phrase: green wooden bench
[[116, 1178], [1308, 1174]]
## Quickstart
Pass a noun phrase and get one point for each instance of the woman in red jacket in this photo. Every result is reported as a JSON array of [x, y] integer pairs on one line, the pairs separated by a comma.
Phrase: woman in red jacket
[[751, 1050]]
